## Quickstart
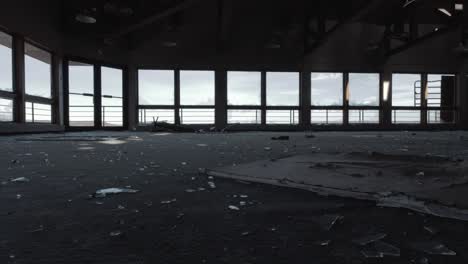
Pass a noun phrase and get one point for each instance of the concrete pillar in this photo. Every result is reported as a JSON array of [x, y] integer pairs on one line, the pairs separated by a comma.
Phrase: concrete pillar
[[131, 98], [386, 98], [177, 97], [424, 99], [97, 97], [462, 99], [57, 90], [305, 97], [345, 99], [19, 79], [220, 99], [263, 97]]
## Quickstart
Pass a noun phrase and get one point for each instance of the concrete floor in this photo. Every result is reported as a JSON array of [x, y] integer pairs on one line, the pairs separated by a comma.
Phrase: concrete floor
[[53, 218]]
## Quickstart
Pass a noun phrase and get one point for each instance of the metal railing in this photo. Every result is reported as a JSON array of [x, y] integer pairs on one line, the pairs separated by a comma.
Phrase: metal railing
[[148, 116], [326, 116], [196, 116], [37, 114], [406, 116], [6, 111], [282, 117], [243, 116], [83, 115], [433, 97], [363, 116]]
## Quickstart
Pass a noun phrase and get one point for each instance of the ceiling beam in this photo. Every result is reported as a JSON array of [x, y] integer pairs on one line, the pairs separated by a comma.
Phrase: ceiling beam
[[356, 16], [150, 20], [421, 40]]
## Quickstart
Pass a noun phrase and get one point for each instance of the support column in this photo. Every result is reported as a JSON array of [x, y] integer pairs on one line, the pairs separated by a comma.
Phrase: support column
[[19, 79], [263, 97], [97, 97], [177, 120], [57, 90], [220, 99], [131, 98], [345, 99], [462, 100], [424, 99], [386, 98], [305, 95]]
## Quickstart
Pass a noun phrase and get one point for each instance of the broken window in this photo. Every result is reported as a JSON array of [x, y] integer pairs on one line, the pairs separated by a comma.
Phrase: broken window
[[81, 94], [6, 62], [37, 71], [38, 113], [197, 90], [327, 89], [364, 89], [441, 98], [282, 88], [112, 97], [6, 110], [156, 87]]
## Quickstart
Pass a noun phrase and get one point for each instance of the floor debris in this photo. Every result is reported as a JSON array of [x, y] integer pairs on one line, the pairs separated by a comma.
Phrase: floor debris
[[20, 179], [326, 222], [369, 239], [169, 201], [233, 207], [109, 191], [280, 138], [434, 248], [381, 249]]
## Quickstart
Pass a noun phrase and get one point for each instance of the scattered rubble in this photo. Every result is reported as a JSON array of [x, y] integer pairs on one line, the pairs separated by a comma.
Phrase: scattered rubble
[[433, 248], [104, 192]]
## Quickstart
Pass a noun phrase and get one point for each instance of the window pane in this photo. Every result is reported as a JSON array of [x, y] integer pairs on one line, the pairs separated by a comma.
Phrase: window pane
[[81, 89], [244, 116], [37, 71], [197, 87], [6, 110], [282, 88], [364, 89], [112, 88], [406, 90], [6, 62], [156, 87], [38, 113], [440, 116], [327, 89], [197, 116], [440, 90], [363, 116], [148, 116], [244, 88], [323, 117], [406, 116], [284, 117]]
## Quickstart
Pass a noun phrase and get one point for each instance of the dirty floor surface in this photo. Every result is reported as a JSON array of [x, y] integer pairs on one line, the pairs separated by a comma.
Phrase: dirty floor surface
[[49, 213]]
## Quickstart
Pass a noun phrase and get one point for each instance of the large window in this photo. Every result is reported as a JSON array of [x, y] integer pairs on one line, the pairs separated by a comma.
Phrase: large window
[[6, 62], [282, 89], [81, 94], [156, 90], [327, 98], [156, 87], [112, 101], [244, 89], [327, 89], [406, 98], [364, 89], [37, 71], [38, 113], [6, 77], [197, 90]]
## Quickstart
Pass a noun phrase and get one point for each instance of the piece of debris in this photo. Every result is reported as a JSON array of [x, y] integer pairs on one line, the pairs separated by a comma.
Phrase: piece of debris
[[115, 233], [169, 201], [326, 222], [431, 230], [434, 248], [243, 196], [242, 203], [190, 190], [233, 207], [212, 185], [20, 179], [245, 233], [369, 239], [104, 192], [420, 174], [309, 136], [202, 145], [323, 242], [381, 249], [120, 207], [267, 148], [280, 138]]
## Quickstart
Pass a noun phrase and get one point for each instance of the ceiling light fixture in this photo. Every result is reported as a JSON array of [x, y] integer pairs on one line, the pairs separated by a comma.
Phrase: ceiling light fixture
[[459, 7], [445, 11], [86, 19]]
